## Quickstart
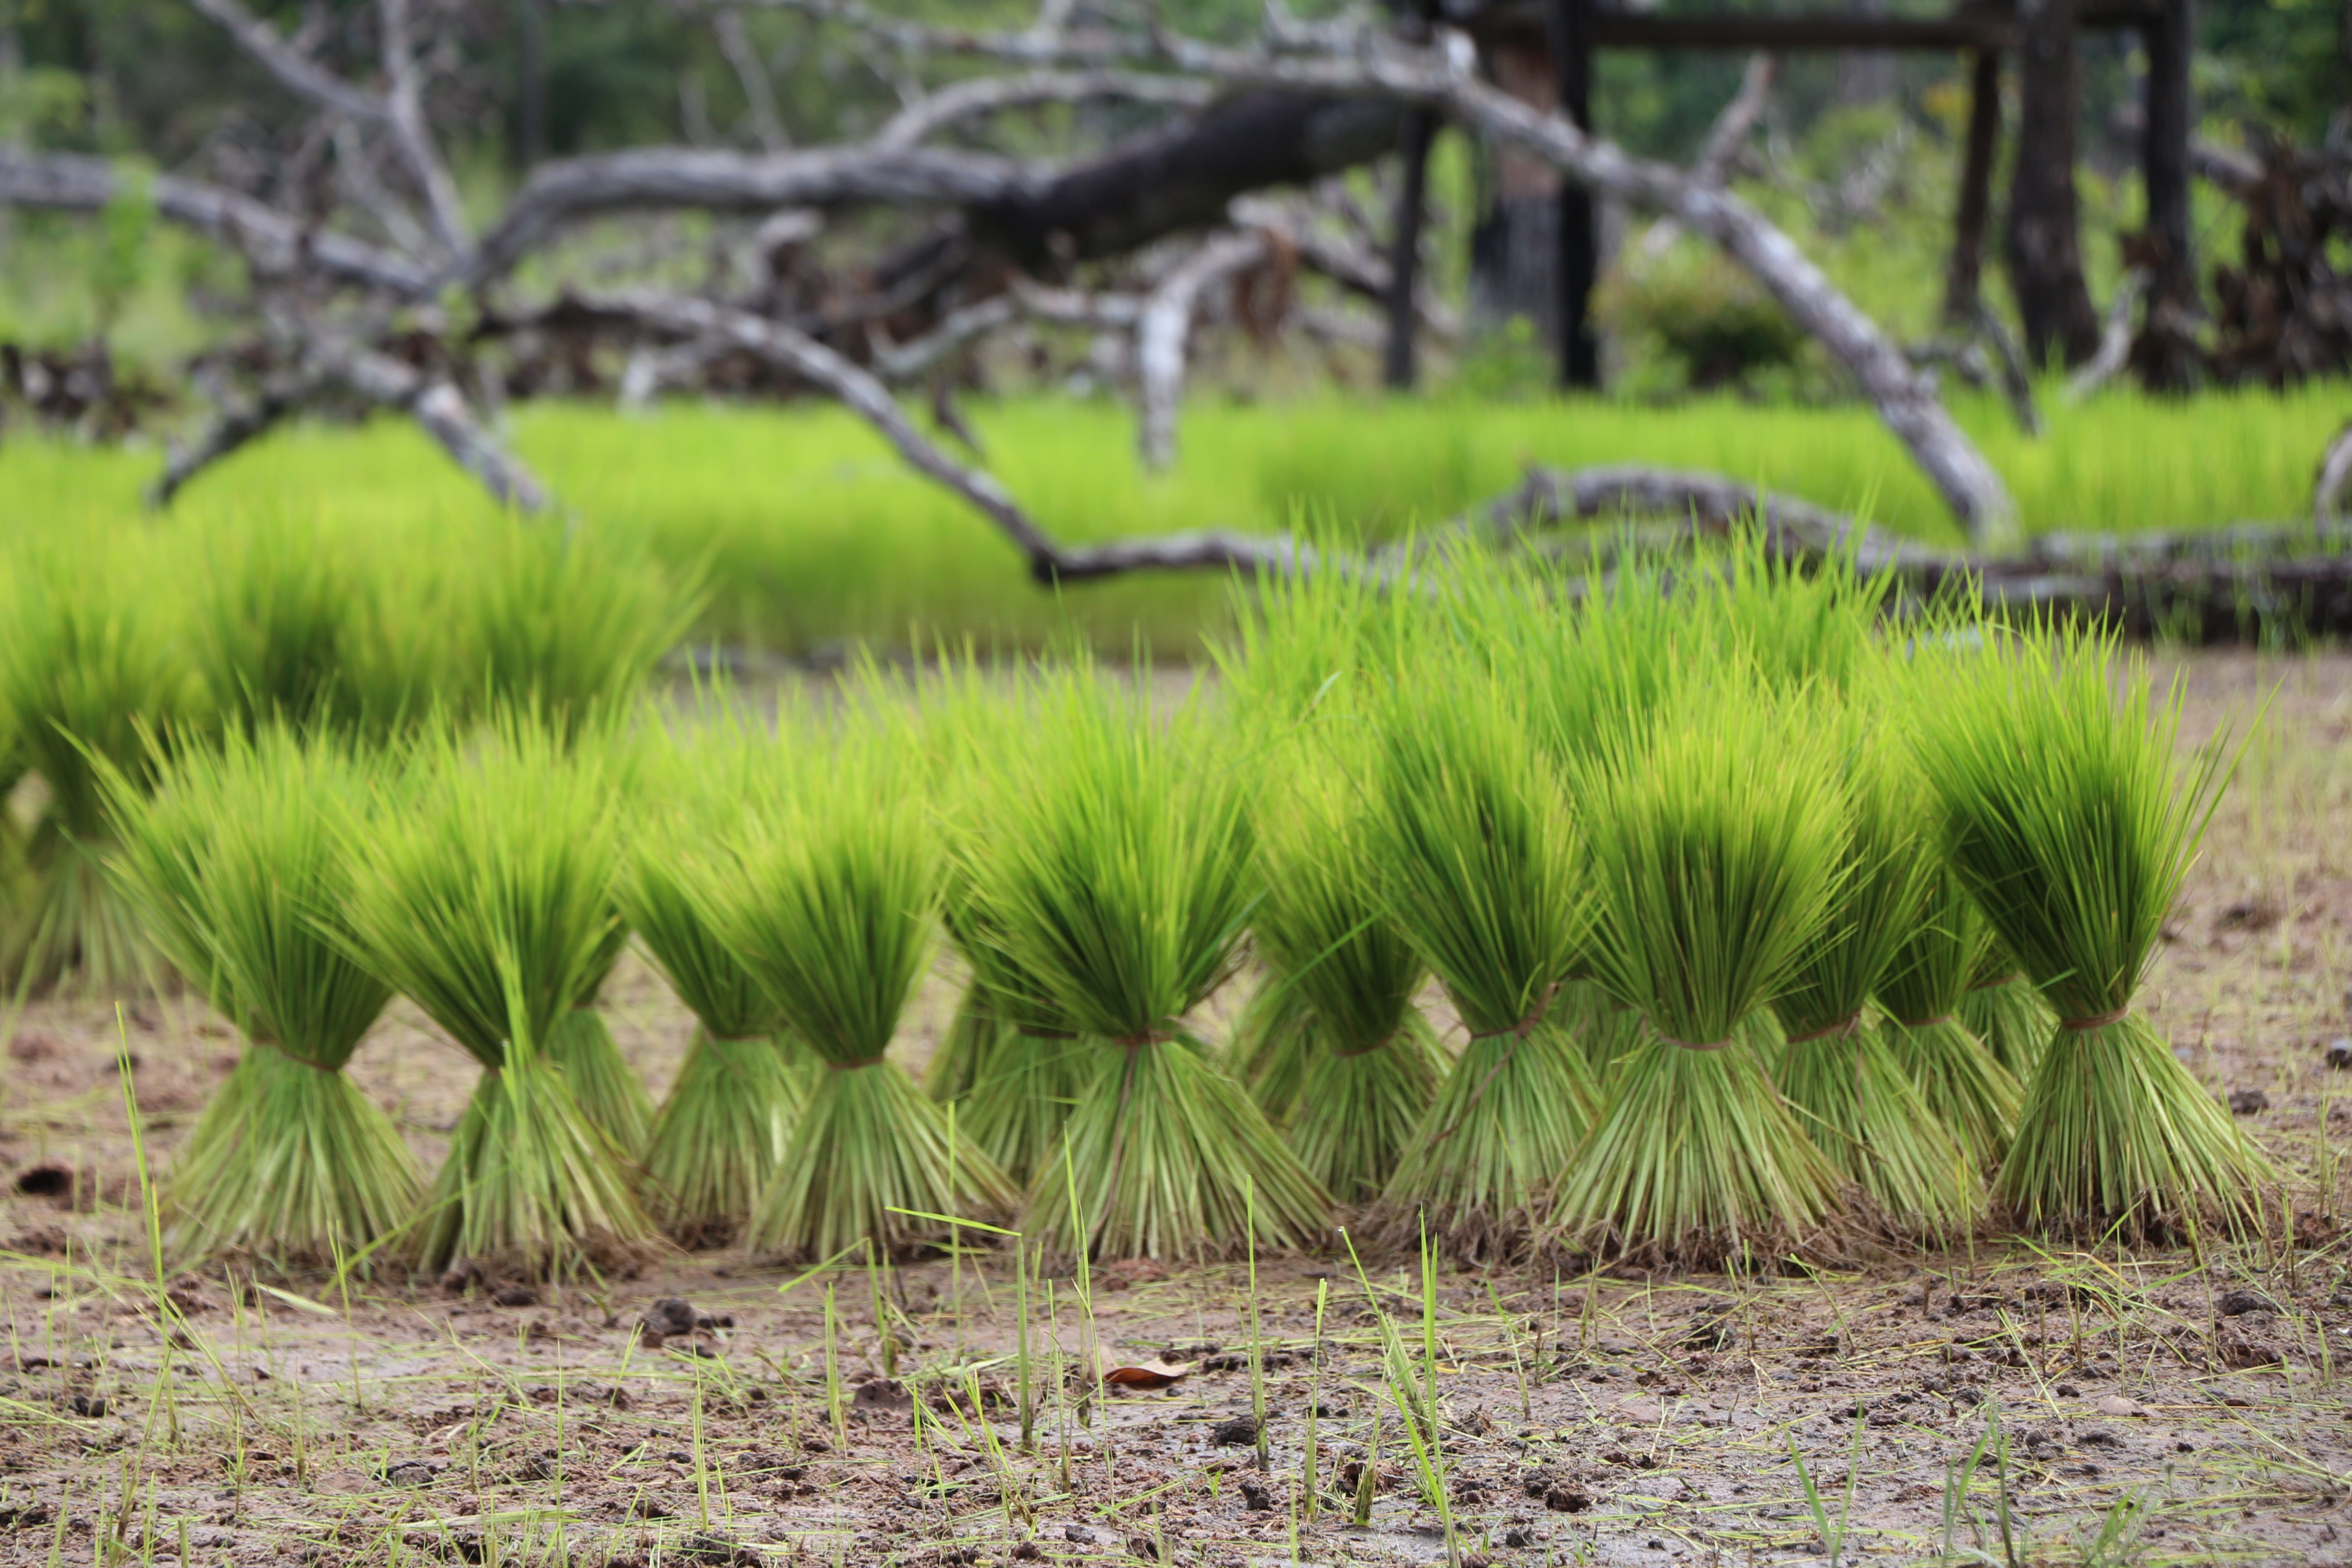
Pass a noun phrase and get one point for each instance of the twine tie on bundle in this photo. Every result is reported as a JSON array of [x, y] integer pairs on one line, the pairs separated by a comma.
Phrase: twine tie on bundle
[[2096, 1021], [2014, 974], [833, 1066], [1924, 1023], [1839, 1030], [1518, 1033], [268, 1045]]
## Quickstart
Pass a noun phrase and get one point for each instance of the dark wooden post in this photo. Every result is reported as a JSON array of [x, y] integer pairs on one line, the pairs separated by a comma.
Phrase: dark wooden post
[[1404, 247], [533, 106], [1964, 280], [1570, 37], [2045, 239], [2170, 39]]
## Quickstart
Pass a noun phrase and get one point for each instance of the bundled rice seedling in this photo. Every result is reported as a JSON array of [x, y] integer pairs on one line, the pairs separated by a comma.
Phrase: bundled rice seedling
[[2002, 1008], [1926, 1027], [826, 891], [717, 1142], [1861, 1109], [570, 624], [1477, 860], [1271, 1046], [609, 1091], [963, 1052], [485, 893], [240, 862], [1115, 880], [1371, 1065], [2062, 819], [1715, 843], [91, 680], [341, 633]]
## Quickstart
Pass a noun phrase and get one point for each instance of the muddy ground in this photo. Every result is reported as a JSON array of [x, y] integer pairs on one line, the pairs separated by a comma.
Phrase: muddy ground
[[2119, 1406]]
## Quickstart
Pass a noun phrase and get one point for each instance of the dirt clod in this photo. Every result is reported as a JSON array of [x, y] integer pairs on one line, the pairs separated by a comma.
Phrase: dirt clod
[[46, 1181], [2237, 1303], [2339, 1054], [1235, 1431], [2248, 1102], [515, 1295]]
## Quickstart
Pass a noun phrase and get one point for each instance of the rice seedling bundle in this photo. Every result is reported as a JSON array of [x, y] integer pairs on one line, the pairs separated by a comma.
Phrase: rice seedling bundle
[[1271, 1046], [720, 1134], [1116, 877], [1715, 843], [342, 634], [1371, 1065], [610, 1093], [827, 893], [484, 892], [2002, 1008], [1476, 858], [972, 1033], [569, 624], [1921, 996], [88, 671], [240, 861], [1861, 1107], [2063, 819]]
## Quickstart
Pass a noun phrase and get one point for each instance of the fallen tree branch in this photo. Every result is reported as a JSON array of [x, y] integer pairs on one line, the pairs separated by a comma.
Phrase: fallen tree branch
[[973, 100], [1166, 325], [2331, 493], [1905, 401], [280, 397], [66, 182], [1725, 138], [2115, 339]]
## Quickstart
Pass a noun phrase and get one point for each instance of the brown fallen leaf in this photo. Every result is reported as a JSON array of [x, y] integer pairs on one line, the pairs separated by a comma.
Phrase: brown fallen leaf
[[1146, 1376]]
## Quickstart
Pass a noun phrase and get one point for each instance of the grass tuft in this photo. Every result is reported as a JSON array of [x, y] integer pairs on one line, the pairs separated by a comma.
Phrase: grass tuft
[[2062, 818]]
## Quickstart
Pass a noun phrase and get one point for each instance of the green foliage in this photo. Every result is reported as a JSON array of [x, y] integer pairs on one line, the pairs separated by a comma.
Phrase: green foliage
[[1707, 315], [240, 862], [485, 893], [2065, 820]]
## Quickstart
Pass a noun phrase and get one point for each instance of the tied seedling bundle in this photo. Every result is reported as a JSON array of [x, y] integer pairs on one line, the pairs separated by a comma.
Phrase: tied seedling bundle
[[241, 862], [485, 894], [2002, 1008], [1861, 1107], [1715, 843], [1021, 1060], [609, 1091], [825, 891], [719, 1137], [1476, 858], [1921, 998], [1371, 1063], [1117, 877], [90, 679], [2062, 818], [971, 1036]]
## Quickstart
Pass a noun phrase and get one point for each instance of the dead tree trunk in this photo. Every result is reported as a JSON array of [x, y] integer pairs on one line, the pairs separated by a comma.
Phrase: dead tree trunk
[[2167, 355], [1964, 282], [1514, 245], [2044, 241]]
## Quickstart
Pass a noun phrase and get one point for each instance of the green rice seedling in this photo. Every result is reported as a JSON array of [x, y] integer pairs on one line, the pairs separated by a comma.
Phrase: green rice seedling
[[1714, 846], [487, 897], [240, 860], [1023, 1063], [826, 891], [88, 676], [1861, 1109], [962, 1053], [2003, 1008], [570, 624], [1371, 1065], [717, 1142], [1272, 1046], [1925, 1025], [1478, 862], [2062, 819], [608, 1090], [1798, 623], [1116, 876]]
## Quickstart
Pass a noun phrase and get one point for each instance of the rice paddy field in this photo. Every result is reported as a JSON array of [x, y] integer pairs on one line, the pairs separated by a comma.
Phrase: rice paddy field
[[807, 534], [1688, 1079]]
